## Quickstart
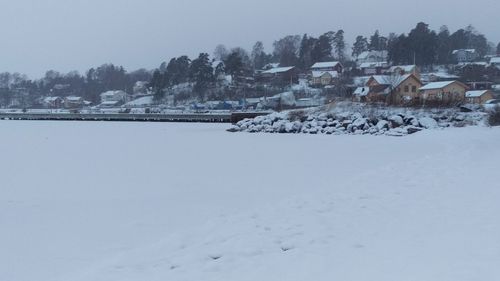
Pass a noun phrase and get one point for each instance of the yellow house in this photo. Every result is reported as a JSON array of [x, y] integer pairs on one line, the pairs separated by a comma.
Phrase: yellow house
[[397, 89], [324, 78], [478, 97], [446, 92]]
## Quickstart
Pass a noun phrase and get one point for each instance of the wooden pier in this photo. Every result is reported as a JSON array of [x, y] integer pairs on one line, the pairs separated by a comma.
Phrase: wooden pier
[[178, 117]]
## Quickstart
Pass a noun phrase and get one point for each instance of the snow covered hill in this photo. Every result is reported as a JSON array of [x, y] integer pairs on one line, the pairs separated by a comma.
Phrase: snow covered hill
[[119, 201]]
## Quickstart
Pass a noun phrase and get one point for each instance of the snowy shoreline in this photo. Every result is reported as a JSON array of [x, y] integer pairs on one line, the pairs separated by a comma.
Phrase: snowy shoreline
[[360, 121]]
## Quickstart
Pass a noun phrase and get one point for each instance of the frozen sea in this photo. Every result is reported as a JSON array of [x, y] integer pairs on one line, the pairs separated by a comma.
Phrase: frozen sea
[[153, 201]]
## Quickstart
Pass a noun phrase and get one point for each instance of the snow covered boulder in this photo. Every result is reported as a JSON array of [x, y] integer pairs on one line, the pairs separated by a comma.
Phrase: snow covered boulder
[[411, 121], [360, 123], [396, 121], [413, 129], [234, 129], [428, 123], [382, 124]]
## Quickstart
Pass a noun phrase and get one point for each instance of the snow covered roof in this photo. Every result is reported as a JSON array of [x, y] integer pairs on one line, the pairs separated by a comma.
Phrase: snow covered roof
[[373, 64], [278, 70], [390, 79], [51, 99], [463, 50], [325, 64], [107, 103], [495, 60], [443, 75], [113, 93], [148, 100], [437, 85], [318, 74], [405, 68], [74, 98], [366, 54], [362, 91], [475, 94]]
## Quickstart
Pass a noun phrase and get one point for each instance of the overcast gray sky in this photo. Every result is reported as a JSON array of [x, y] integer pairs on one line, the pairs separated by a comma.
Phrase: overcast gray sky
[[66, 35]]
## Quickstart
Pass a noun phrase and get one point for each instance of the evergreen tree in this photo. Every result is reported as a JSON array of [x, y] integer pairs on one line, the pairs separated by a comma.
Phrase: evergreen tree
[[498, 49], [305, 53], [374, 42], [323, 47], [220, 52], [202, 74], [234, 64], [339, 44], [286, 50], [360, 46], [443, 46], [258, 56], [423, 44]]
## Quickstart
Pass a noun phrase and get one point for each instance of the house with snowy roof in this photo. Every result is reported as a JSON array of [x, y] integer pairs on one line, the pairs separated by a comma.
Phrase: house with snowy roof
[[53, 102], [495, 62], [403, 70], [374, 68], [323, 78], [395, 89], [445, 91], [114, 96], [328, 66], [478, 97], [280, 75], [371, 56], [72, 102], [465, 55]]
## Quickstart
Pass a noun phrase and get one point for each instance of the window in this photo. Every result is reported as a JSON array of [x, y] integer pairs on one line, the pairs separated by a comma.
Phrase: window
[[407, 89], [413, 89]]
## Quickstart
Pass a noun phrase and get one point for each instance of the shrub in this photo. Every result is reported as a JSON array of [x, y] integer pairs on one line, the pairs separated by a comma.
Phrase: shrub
[[494, 117]]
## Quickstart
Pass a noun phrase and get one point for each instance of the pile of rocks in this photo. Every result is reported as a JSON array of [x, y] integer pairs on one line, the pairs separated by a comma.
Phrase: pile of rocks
[[351, 123]]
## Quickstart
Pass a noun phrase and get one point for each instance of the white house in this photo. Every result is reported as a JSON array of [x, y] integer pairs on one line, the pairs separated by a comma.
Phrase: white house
[[495, 62], [465, 55], [372, 56], [114, 96]]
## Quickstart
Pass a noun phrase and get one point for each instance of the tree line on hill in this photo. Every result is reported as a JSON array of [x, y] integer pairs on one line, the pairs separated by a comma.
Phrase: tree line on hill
[[422, 46]]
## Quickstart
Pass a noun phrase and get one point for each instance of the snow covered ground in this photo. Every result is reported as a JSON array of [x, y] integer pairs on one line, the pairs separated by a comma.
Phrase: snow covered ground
[[150, 201]]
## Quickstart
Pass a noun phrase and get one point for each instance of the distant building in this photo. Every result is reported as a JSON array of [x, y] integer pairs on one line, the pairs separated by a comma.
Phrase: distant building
[[324, 78], [116, 97], [396, 89], [403, 70], [478, 97], [446, 91], [373, 68], [495, 62], [372, 56], [328, 66], [53, 102], [280, 75], [465, 55], [74, 102], [438, 76]]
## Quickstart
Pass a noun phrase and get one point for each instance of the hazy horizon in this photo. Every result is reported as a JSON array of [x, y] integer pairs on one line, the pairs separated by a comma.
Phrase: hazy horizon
[[67, 35]]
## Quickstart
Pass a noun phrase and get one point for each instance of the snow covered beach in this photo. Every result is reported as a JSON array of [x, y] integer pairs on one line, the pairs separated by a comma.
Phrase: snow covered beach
[[147, 201]]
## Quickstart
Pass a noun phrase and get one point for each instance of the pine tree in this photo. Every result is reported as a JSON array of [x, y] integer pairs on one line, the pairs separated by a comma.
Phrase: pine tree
[[498, 49], [202, 74], [323, 48], [374, 42], [258, 56], [305, 52], [360, 46], [443, 46], [339, 44]]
